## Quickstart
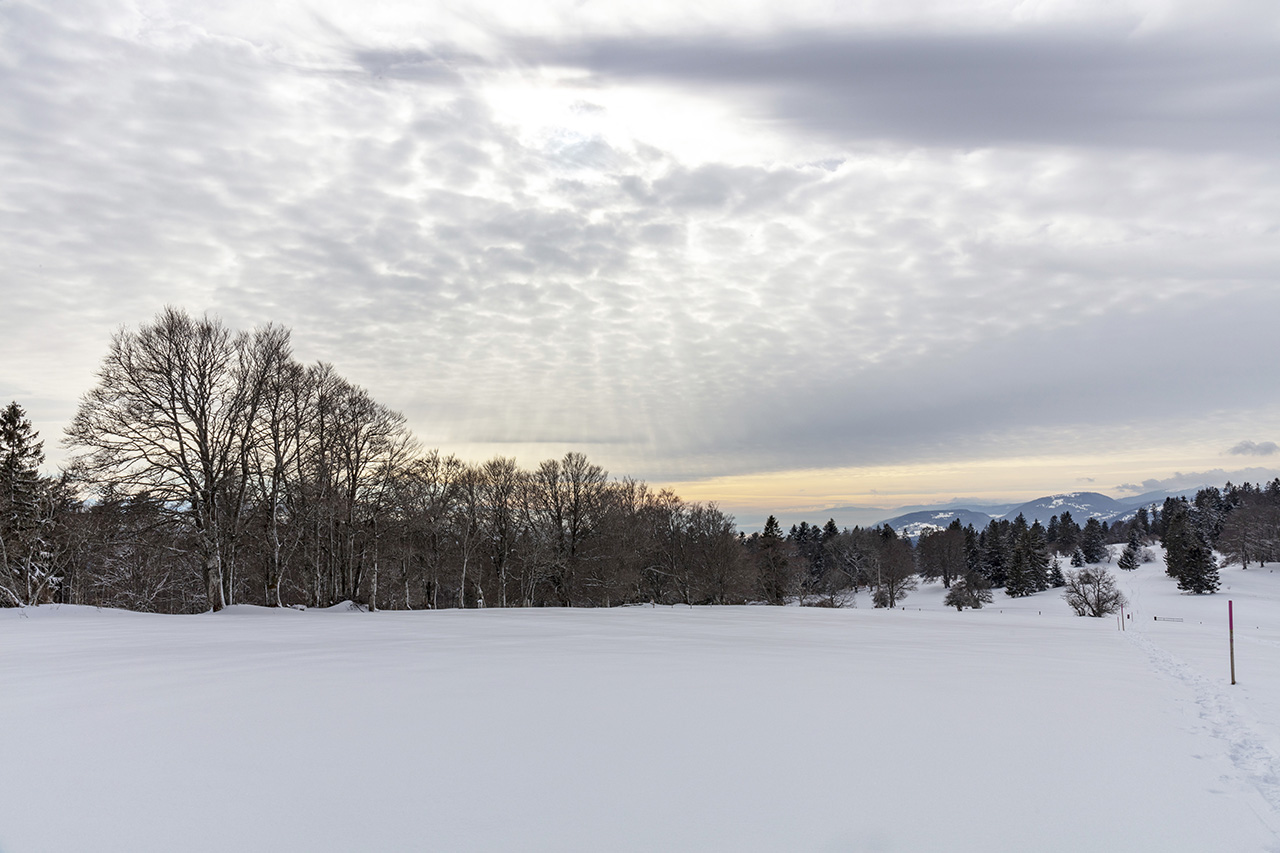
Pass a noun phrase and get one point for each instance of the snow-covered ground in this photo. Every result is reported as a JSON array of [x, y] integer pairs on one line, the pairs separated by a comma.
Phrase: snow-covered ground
[[1015, 728]]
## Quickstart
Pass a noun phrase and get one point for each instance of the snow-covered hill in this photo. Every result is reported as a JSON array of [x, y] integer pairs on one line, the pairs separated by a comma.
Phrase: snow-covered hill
[[1017, 727], [915, 523], [1081, 505]]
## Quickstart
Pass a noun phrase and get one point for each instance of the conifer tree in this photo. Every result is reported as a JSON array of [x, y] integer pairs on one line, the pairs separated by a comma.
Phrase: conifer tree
[[1179, 535], [773, 578], [1018, 579], [1093, 542], [1068, 534], [1143, 521], [970, 591], [1199, 572], [1038, 557], [994, 555], [23, 573], [1056, 578], [972, 549], [1129, 559]]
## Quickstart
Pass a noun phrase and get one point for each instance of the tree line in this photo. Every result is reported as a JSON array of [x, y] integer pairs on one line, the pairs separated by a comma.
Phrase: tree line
[[208, 467]]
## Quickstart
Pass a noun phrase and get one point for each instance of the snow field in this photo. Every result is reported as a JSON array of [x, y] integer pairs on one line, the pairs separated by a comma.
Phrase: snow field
[[737, 728]]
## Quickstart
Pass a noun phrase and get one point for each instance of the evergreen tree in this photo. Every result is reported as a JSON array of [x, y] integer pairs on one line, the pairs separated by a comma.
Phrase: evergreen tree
[[1093, 542], [1132, 551], [1178, 537], [1210, 513], [1056, 578], [1018, 582], [773, 577], [1170, 508], [1068, 534], [24, 574], [994, 555], [807, 541], [1038, 557], [970, 591], [1018, 577], [1077, 558], [1143, 521], [972, 550], [1199, 572]]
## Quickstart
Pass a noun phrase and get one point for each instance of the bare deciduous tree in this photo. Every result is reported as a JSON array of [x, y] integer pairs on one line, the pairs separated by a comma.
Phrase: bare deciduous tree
[[173, 415], [1092, 592]]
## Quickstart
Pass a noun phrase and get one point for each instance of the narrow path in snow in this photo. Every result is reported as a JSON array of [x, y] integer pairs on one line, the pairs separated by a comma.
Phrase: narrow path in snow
[[1255, 764]]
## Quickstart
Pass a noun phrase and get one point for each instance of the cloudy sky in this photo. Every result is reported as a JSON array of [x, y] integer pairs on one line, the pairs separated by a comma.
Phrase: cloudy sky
[[782, 255]]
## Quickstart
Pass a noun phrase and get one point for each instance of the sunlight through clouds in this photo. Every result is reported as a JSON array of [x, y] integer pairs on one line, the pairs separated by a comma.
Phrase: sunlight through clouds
[[696, 243]]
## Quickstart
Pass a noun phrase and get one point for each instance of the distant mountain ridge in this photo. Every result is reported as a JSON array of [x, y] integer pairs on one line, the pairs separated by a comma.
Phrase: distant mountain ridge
[[915, 524], [1081, 505]]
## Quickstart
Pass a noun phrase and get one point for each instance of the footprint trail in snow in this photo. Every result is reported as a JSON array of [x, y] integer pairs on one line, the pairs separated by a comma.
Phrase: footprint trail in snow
[[1255, 764]]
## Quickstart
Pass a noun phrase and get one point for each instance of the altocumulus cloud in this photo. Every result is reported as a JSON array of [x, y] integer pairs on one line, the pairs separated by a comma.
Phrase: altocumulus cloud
[[978, 238]]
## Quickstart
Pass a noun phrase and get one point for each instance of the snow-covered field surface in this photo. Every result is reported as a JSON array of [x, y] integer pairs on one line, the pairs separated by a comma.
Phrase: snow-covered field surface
[[1015, 728]]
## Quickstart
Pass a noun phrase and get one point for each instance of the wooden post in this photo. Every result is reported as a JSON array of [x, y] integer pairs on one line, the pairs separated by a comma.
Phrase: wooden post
[[1231, 634]]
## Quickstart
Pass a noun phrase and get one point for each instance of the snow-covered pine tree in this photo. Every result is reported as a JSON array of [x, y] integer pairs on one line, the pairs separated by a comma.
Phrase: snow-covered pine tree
[[1018, 579], [22, 569], [1038, 557], [1211, 511], [1017, 583], [1199, 570], [1077, 558], [1132, 551], [1068, 534], [1056, 578], [1143, 521], [1179, 535], [995, 554], [1093, 542]]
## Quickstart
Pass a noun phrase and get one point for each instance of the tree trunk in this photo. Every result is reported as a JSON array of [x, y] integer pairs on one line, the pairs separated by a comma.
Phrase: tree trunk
[[373, 577], [213, 580]]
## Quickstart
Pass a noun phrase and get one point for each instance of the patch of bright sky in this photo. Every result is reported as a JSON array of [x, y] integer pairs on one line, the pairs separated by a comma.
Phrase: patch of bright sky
[[988, 480]]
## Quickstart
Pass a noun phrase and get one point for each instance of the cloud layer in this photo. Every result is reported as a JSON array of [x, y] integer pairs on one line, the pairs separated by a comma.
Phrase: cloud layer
[[1251, 448], [973, 90], [876, 248]]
